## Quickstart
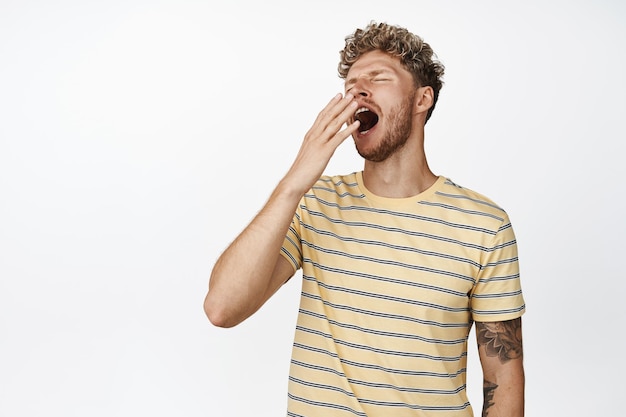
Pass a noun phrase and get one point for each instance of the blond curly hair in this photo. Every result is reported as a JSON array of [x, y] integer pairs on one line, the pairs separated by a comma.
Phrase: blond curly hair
[[416, 55]]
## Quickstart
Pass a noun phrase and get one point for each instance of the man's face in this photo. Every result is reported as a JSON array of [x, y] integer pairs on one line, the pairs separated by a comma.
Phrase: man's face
[[385, 92]]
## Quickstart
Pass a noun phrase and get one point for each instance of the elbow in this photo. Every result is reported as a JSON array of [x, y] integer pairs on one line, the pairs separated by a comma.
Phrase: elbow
[[217, 314]]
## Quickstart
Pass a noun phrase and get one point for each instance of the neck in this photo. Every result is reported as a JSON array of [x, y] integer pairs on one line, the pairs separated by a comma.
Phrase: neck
[[387, 184], [404, 174]]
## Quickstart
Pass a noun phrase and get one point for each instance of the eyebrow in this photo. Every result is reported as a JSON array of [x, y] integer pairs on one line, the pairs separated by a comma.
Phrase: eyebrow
[[370, 74]]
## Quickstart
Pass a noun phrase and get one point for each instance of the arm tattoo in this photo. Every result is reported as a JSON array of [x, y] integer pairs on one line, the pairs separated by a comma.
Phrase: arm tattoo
[[488, 391], [502, 339]]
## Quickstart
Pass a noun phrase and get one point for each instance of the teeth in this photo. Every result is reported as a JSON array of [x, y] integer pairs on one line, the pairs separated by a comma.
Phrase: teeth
[[361, 110]]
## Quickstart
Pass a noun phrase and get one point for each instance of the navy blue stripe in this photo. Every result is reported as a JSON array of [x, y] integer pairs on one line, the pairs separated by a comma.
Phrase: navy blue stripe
[[390, 246], [504, 245], [499, 278], [378, 385], [501, 262], [293, 260], [499, 312], [391, 213], [385, 279], [375, 385], [321, 386], [334, 191], [339, 182], [459, 209], [416, 406], [386, 297], [403, 336], [376, 367], [367, 401], [408, 389], [407, 232], [380, 261], [318, 368], [466, 197], [297, 236], [327, 405], [384, 315], [498, 295], [377, 350]]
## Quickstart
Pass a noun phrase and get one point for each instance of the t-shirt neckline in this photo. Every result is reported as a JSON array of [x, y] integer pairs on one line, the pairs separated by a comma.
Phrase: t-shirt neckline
[[397, 202]]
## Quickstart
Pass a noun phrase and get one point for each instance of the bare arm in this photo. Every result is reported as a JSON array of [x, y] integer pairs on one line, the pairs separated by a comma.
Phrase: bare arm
[[251, 269], [501, 356]]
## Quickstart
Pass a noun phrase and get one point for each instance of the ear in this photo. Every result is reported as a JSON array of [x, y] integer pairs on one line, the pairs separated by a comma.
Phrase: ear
[[424, 99]]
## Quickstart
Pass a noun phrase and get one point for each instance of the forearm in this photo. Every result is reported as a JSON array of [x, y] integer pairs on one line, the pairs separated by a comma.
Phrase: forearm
[[504, 394], [501, 356], [248, 272], [242, 276]]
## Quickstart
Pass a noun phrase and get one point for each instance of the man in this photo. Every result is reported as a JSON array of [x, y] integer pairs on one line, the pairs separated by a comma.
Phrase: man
[[397, 262]]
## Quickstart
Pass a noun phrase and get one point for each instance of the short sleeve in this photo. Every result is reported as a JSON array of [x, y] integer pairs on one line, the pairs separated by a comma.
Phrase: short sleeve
[[292, 246], [497, 293]]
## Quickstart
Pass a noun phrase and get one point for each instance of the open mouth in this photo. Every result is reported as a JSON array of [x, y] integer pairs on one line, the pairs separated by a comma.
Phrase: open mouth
[[367, 118]]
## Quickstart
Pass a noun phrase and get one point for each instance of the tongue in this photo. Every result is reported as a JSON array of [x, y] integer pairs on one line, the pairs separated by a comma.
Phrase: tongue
[[368, 119]]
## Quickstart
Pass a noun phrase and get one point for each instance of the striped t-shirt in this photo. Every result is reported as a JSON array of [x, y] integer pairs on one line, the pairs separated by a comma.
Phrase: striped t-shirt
[[390, 289]]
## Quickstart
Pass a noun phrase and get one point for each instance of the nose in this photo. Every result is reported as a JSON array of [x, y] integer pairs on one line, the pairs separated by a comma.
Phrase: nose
[[360, 88]]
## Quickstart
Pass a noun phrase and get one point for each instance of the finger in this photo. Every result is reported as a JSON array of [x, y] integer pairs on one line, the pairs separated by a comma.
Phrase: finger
[[343, 134], [346, 112], [334, 109]]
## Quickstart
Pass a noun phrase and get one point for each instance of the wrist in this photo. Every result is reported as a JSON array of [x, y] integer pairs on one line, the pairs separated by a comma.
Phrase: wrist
[[290, 189]]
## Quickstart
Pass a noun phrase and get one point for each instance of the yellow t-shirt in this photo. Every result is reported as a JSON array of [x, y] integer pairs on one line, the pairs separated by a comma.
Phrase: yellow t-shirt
[[390, 290]]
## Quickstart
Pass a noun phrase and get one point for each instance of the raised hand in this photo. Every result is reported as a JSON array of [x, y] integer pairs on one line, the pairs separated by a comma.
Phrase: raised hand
[[320, 142]]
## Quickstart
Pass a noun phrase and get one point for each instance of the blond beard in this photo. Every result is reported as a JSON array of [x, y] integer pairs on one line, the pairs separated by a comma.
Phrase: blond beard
[[397, 134]]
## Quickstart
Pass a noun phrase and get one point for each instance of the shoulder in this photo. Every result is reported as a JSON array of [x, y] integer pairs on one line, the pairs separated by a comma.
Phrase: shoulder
[[472, 210], [339, 184], [455, 195]]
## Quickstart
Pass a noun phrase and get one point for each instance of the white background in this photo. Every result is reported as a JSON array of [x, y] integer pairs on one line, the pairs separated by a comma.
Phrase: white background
[[137, 138]]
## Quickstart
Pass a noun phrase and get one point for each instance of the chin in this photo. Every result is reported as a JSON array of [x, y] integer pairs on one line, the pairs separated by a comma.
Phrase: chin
[[367, 154]]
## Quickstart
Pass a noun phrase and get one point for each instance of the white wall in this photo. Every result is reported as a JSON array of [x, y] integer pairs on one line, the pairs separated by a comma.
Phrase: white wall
[[138, 137]]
